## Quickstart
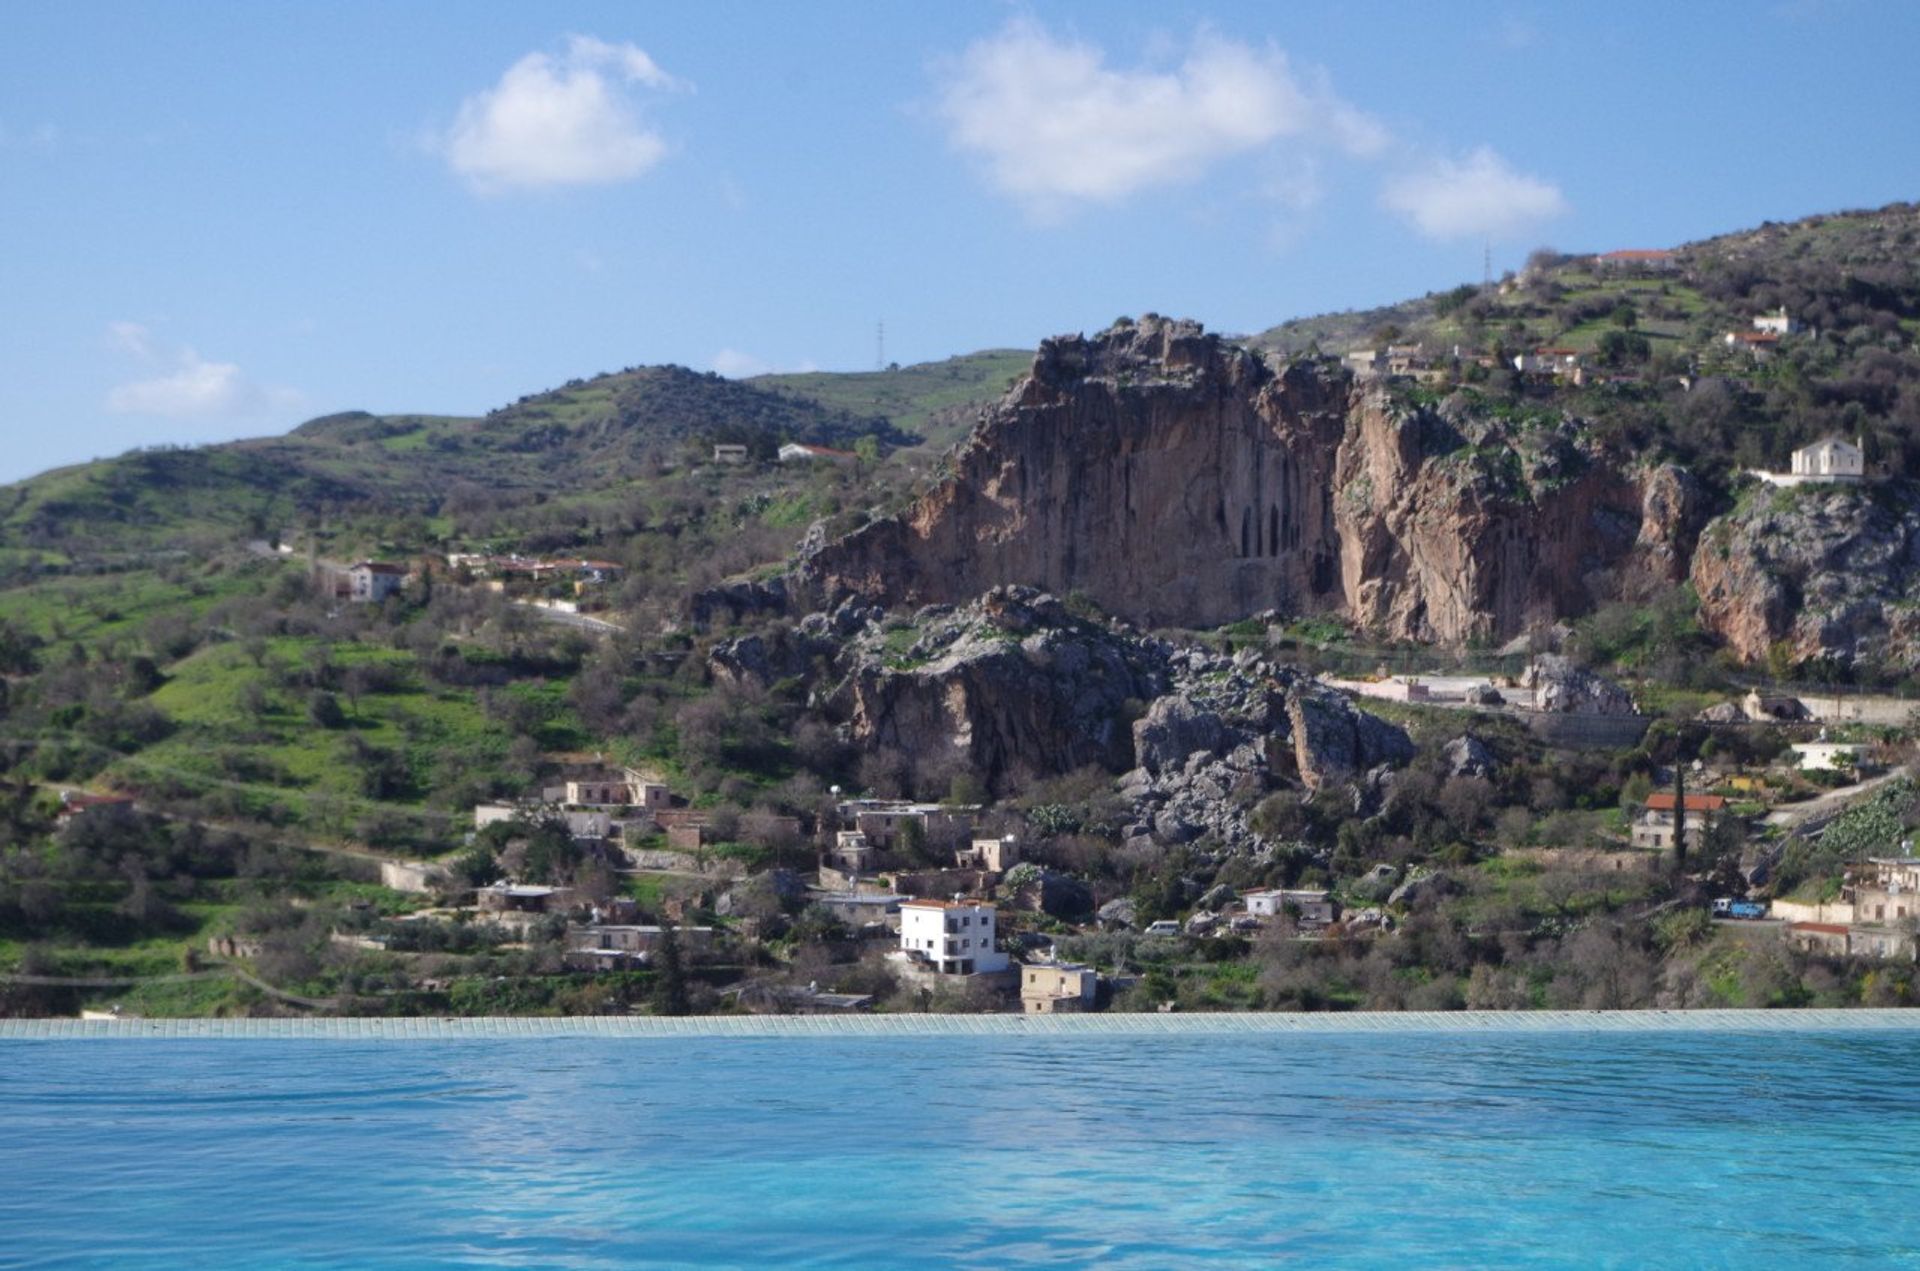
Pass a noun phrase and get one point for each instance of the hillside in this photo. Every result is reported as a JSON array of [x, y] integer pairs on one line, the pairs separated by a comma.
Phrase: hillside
[[1214, 523], [588, 438], [936, 400]]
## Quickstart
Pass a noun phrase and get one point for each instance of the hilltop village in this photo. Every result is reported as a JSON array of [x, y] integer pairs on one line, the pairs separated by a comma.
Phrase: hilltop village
[[1541, 644]]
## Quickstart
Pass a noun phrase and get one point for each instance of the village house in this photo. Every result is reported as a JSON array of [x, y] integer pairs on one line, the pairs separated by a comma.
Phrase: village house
[[862, 910], [75, 804], [731, 454], [851, 852], [1776, 323], [1758, 345], [795, 452], [372, 581], [1548, 361], [953, 937], [1311, 908], [612, 947], [1057, 988], [1636, 260], [581, 823], [1365, 363], [1654, 826], [993, 855], [1813, 756], [524, 898], [884, 820]]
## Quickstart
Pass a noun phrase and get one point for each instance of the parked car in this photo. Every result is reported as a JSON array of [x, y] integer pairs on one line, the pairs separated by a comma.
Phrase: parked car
[[1727, 907], [1164, 927]]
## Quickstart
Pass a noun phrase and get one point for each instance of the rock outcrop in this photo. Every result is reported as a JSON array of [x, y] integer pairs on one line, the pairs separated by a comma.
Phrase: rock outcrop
[[1178, 480], [1562, 687], [1829, 571], [1009, 684]]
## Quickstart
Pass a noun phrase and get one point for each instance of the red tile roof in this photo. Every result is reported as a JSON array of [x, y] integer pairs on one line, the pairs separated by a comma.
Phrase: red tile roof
[[1695, 802]]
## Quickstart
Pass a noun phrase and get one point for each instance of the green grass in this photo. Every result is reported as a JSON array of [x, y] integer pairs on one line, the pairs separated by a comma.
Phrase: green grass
[[912, 395]]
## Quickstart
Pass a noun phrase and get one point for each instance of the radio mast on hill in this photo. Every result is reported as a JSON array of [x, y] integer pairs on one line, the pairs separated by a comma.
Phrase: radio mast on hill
[[880, 346]]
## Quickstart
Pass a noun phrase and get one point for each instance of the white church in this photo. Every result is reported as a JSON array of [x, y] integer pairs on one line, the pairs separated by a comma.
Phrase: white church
[[1831, 458]]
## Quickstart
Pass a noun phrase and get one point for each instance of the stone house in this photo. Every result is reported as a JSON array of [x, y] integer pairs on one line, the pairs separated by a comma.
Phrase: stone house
[[883, 820], [996, 856], [1057, 988], [730, 454], [851, 852]]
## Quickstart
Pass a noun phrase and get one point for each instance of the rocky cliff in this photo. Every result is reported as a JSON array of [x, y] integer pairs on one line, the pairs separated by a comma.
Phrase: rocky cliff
[[1828, 571], [1178, 480], [1013, 686]]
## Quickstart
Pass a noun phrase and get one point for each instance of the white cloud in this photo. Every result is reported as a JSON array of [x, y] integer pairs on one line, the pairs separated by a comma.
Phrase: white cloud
[[555, 120], [736, 365], [1478, 196], [190, 386], [1055, 125]]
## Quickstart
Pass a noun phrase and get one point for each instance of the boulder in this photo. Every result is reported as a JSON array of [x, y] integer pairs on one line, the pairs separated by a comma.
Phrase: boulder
[[1333, 740], [1425, 887], [1559, 685], [1120, 912], [1468, 756], [1173, 729]]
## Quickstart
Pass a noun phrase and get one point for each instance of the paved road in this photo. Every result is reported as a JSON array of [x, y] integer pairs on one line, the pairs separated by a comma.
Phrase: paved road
[[578, 621], [1817, 811]]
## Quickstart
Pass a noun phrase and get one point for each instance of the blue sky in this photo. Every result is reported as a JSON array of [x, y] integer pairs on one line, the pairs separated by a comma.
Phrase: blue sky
[[221, 219]]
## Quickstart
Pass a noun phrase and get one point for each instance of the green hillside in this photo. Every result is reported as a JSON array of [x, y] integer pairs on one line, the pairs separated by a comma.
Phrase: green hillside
[[936, 400]]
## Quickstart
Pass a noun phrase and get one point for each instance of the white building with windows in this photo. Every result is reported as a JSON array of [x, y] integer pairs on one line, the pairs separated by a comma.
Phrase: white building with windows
[[954, 937], [1830, 459]]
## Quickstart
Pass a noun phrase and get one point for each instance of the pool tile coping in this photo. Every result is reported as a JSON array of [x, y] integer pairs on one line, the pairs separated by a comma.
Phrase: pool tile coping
[[1067, 1026]]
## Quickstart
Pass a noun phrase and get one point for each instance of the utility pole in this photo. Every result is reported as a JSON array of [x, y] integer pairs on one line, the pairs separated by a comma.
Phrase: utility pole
[[880, 346]]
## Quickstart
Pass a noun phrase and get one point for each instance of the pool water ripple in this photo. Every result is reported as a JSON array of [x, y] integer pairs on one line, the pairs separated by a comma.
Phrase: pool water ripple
[[1643, 1149]]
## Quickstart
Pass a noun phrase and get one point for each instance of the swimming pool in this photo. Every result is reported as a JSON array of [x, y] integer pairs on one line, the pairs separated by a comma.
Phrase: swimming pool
[[1030, 1148]]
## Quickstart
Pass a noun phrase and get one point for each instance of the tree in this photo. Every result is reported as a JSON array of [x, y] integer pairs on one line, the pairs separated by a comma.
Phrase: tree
[[1679, 816], [670, 996]]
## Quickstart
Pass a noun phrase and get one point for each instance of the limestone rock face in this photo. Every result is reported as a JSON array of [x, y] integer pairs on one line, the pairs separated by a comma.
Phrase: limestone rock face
[[1833, 571], [1009, 683], [1333, 740], [1561, 686], [1178, 480]]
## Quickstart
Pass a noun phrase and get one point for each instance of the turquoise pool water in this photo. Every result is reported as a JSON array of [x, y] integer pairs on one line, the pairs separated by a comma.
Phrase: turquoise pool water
[[1417, 1150]]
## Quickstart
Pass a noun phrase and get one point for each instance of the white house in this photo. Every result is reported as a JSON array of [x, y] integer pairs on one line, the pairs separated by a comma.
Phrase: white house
[[1548, 362], [1814, 755], [1271, 902], [794, 452], [1831, 459], [955, 937], [1776, 323]]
